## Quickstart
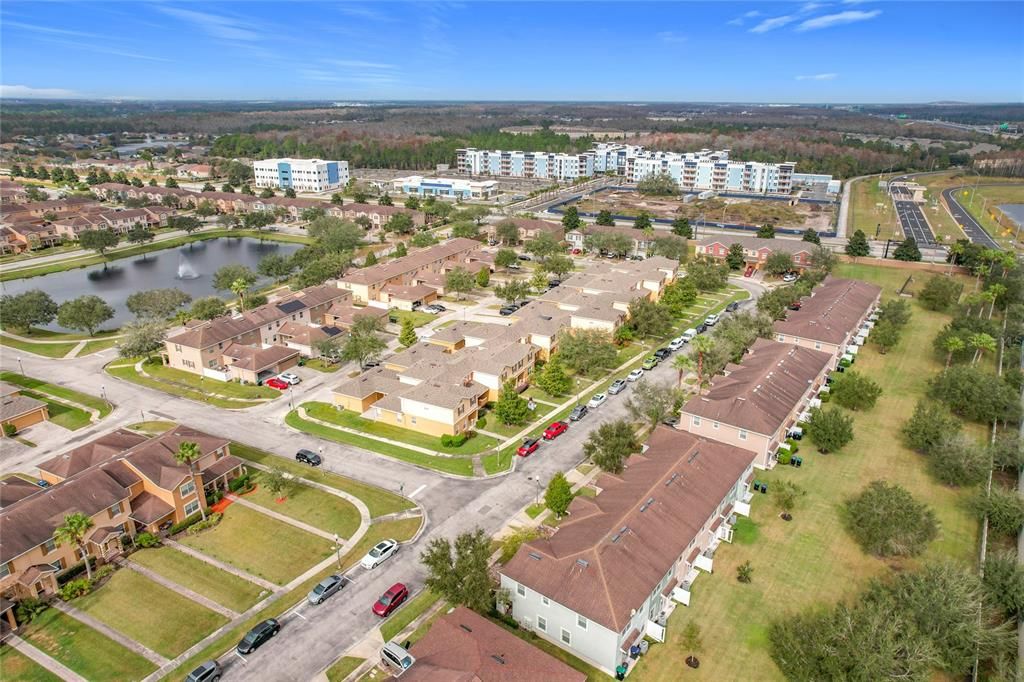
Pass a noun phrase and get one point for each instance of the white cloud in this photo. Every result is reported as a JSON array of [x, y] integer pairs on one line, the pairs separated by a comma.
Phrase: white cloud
[[27, 91], [363, 13], [838, 19], [773, 23], [50, 30], [819, 77], [671, 37], [225, 28], [357, 64], [738, 21]]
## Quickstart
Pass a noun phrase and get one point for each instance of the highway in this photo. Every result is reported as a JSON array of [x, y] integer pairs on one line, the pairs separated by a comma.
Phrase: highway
[[913, 223], [975, 232]]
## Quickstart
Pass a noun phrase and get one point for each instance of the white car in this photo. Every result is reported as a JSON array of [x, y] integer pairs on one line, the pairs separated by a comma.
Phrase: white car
[[289, 378], [597, 401], [789, 277], [689, 335], [635, 375], [711, 320], [676, 343], [380, 553]]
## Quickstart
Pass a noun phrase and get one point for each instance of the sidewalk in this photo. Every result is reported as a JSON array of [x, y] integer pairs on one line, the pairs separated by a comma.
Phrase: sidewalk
[[266, 584], [180, 589], [45, 660], [103, 628]]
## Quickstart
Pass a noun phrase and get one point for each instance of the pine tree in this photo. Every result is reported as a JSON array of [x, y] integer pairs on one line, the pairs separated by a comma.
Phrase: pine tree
[[858, 245], [408, 336]]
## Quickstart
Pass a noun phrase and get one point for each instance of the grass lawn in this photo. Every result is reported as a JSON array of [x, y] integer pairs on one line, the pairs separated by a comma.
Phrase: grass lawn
[[399, 529], [535, 510], [128, 373], [222, 587], [49, 350], [418, 318], [329, 413], [321, 366], [309, 505], [16, 666], [378, 500], [96, 346], [461, 466], [498, 461], [90, 654], [407, 613], [155, 427], [227, 389], [812, 560], [343, 667], [62, 414], [168, 623], [102, 406], [260, 545], [866, 214], [40, 333], [540, 413]]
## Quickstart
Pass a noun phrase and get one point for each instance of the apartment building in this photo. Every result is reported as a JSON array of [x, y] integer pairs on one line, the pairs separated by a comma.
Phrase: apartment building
[[830, 318], [756, 403], [519, 164], [195, 171], [125, 482], [445, 188], [529, 228], [757, 250], [376, 214], [370, 285], [618, 564], [255, 344], [20, 411], [302, 175], [641, 243]]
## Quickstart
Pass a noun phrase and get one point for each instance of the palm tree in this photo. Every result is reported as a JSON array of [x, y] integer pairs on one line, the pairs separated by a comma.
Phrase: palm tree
[[239, 288], [995, 290], [702, 345], [955, 252], [952, 344], [986, 296], [72, 532], [981, 343], [188, 452], [683, 363], [980, 271]]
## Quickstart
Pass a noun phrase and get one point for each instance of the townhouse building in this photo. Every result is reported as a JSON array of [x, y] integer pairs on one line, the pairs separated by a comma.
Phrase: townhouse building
[[619, 563], [195, 171], [40, 209], [831, 318], [756, 403], [125, 482], [302, 175], [529, 228], [376, 214], [19, 411], [641, 243], [119, 221], [445, 188], [22, 235], [757, 250]]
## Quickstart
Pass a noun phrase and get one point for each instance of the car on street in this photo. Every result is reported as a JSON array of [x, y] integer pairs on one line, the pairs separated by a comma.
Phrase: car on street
[[276, 383], [555, 430], [258, 636], [206, 672], [528, 447], [749, 271], [732, 307], [701, 328], [689, 335], [508, 310], [577, 252], [552, 283], [578, 413], [512, 266], [597, 401], [635, 375], [435, 308], [617, 387], [524, 256], [662, 354], [789, 277], [650, 362], [381, 552], [327, 587], [308, 457], [712, 319], [391, 600], [676, 343], [795, 305], [290, 378]]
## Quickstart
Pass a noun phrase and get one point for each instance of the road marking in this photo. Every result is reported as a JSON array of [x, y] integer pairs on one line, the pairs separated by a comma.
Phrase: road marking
[[244, 662], [414, 493], [299, 615]]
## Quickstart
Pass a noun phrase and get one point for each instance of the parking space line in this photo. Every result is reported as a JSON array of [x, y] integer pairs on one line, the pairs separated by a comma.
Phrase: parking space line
[[244, 662], [414, 493]]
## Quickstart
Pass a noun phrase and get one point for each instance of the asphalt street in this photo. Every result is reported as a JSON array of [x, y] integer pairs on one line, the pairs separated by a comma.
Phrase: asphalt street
[[313, 636], [975, 232], [913, 223]]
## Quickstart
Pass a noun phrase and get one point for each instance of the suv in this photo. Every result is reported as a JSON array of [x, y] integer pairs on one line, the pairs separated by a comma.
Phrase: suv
[[390, 600], [676, 343], [508, 310], [308, 457], [206, 672], [258, 636], [689, 335], [732, 307], [290, 378], [395, 657], [617, 387], [662, 353], [578, 413], [711, 320]]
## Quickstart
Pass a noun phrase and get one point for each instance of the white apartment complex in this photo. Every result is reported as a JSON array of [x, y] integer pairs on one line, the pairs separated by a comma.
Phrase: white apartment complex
[[517, 164], [302, 175]]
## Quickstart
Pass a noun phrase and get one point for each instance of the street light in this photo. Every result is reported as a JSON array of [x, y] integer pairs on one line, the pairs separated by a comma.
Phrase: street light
[[20, 368], [337, 548], [974, 190], [536, 481]]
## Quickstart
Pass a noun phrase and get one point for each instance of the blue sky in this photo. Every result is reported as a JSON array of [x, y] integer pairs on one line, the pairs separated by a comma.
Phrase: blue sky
[[838, 51]]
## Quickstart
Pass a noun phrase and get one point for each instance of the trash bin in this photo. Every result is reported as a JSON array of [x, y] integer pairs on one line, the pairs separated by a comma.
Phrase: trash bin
[[764, 488], [644, 645]]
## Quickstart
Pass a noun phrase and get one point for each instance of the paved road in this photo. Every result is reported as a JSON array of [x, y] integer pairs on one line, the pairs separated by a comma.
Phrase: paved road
[[913, 223], [974, 231], [312, 637]]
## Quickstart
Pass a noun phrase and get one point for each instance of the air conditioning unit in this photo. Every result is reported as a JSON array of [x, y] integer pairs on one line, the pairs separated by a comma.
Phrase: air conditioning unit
[[814, 402]]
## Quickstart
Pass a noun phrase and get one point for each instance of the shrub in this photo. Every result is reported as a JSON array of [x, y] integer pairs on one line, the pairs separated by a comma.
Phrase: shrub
[[144, 539], [211, 521], [241, 484], [794, 445], [785, 456], [74, 571], [885, 520], [829, 429], [184, 524], [855, 391], [456, 441], [73, 589], [959, 461], [1005, 510], [825, 397], [102, 572], [10, 430], [29, 608], [214, 497], [481, 422], [930, 425]]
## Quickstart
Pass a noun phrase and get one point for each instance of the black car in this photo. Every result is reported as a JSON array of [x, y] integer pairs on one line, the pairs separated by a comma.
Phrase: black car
[[524, 256], [258, 636], [522, 304], [370, 364], [732, 307], [207, 672], [701, 328], [554, 283], [508, 310], [578, 413], [308, 457], [662, 353]]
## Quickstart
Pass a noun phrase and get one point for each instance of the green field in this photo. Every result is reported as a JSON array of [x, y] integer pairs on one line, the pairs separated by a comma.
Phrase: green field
[[311, 506], [206, 579], [870, 207], [125, 369], [62, 414], [49, 350], [17, 667]]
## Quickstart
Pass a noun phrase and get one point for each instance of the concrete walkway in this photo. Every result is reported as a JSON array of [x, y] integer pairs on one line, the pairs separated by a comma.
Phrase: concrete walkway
[[364, 511], [180, 589], [45, 660], [99, 626], [283, 518], [266, 584], [397, 443]]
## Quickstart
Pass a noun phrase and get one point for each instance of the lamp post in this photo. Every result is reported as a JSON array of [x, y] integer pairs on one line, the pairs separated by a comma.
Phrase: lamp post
[[20, 368], [337, 548], [103, 391], [536, 481], [970, 204]]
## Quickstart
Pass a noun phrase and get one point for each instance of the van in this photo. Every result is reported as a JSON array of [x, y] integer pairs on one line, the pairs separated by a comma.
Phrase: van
[[396, 658], [689, 335]]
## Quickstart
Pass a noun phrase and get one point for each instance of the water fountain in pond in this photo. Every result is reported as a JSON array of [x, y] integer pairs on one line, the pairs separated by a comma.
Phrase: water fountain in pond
[[185, 269]]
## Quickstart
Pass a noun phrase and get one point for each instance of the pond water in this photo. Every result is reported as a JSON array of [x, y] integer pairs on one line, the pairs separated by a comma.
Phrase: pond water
[[189, 268]]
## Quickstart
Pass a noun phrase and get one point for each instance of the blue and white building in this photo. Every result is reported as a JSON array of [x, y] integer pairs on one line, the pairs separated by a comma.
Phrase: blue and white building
[[518, 164], [445, 188], [301, 175]]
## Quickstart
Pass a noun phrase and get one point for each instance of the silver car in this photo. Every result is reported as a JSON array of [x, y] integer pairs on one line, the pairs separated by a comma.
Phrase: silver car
[[325, 588]]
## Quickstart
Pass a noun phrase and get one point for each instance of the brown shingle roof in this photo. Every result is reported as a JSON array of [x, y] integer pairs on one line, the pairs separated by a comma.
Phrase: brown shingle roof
[[597, 569], [790, 246], [148, 508], [831, 312], [414, 261], [14, 489], [256, 359], [14, 406], [96, 451], [762, 391]]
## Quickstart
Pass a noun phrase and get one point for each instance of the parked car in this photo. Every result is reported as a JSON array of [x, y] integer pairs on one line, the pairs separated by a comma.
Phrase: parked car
[[712, 319], [258, 636], [290, 378], [597, 401], [732, 307], [552, 283], [381, 552], [650, 362], [396, 657], [577, 252], [523, 303], [635, 375], [524, 256], [617, 387], [701, 328], [528, 447], [276, 383], [795, 305], [662, 354], [43, 484], [391, 600], [439, 307], [689, 335], [206, 672], [578, 413], [671, 420], [308, 457], [749, 271], [512, 266], [555, 430], [370, 364], [789, 277], [327, 587], [676, 343], [508, 310], [434, 309]]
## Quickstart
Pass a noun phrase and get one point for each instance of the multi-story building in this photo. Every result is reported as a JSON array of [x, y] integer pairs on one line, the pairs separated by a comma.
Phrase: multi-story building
[[519, 164], [445, 188], [302, 175], [618, 564], [756, 250], [529, 228], [831, 318], [756, 403]]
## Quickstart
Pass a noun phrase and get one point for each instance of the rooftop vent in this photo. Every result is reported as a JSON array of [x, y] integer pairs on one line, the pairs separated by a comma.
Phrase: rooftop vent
[[499, 659], [696, 453], [671, 479], [465, 627], [583, 562], [535, 556], [646, 504]]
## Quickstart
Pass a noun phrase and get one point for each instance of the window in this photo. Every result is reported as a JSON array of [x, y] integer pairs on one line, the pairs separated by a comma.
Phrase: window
[[542, 623], [566, 637], [49, 546], [187, 488], [521, 590], [696, 421], [5, 570], [714, 425], [114, 510], [57, 565], [191, 508], [743, 434], [581, 621], [545, 601]]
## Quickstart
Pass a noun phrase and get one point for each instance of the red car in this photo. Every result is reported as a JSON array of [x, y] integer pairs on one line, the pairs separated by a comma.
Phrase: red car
[[391, 600], [577, 252], [749, 271], [276, 383], [555, 430], [528, 447]]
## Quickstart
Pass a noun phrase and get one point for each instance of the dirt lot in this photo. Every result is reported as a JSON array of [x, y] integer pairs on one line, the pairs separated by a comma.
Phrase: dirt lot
[[744, 211]]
